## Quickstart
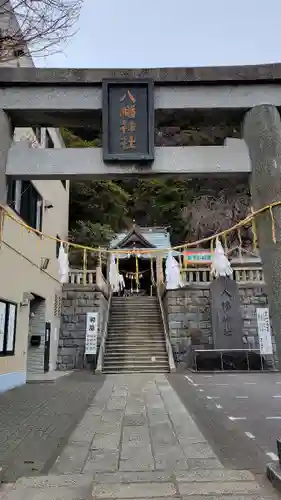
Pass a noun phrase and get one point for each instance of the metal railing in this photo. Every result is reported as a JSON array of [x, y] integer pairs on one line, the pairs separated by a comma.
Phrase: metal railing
[[225, 359]]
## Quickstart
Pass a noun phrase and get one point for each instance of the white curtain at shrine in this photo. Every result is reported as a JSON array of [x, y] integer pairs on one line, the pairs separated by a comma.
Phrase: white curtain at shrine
[[172, 272], [220, 263], [113, 275], [63, 265]]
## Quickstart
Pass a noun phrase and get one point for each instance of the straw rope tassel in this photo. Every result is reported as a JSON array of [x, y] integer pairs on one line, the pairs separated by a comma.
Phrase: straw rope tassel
[[254, 232], [240, 244], [273, 229], [85, 266], [137, 272], [152, 272], [225, 242], [100, 259]]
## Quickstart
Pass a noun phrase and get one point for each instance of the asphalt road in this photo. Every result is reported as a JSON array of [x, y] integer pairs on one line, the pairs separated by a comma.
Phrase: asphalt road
[[239, 414]]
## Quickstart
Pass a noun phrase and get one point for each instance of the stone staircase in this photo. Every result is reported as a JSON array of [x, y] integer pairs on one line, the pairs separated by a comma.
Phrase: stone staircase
[[135, 340]]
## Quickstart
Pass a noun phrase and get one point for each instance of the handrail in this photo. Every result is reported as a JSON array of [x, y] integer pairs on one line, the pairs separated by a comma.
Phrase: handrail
[[104, 336], [166, 333]]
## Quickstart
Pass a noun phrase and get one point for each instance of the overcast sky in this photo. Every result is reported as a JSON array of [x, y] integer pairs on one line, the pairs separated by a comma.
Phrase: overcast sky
[[157, 33]]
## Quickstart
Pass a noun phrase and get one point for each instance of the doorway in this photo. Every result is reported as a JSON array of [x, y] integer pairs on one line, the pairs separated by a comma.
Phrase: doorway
[[37, 337], [128, 268]]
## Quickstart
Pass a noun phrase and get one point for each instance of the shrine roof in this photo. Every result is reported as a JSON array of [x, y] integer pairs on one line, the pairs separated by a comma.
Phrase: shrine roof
[[157, 237]]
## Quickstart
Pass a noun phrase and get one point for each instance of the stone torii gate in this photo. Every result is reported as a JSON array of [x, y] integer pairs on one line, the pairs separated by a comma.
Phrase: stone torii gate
[[130, 104]]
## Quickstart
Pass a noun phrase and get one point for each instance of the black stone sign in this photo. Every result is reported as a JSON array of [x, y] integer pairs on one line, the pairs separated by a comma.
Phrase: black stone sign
[[226, 314], [128, 120]]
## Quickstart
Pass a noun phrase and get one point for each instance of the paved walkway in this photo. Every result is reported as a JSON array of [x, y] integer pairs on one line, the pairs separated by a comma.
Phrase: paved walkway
[[137, 441], [36, 421]]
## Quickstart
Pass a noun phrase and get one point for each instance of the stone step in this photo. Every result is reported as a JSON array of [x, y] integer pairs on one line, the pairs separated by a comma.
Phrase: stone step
[[144, 320], [137, 303], [135, 357], [143, 325], [137, 333], [136, 350], [213, 484], [136, 369], [128, 313], [192, 485], [145, 332], [135, 298], [136, 365], [135, 340], [136, 347]]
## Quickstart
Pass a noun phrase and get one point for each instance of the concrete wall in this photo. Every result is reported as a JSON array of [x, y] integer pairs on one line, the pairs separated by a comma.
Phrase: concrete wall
[[77, 301], [189, 317]]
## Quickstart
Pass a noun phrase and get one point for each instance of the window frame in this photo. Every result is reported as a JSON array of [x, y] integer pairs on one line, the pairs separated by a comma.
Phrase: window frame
[[4, 351], [23, 199]]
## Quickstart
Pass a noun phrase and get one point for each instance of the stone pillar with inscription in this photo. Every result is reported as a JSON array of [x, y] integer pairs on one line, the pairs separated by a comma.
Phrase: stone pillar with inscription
[[227, 323], [262, 133]]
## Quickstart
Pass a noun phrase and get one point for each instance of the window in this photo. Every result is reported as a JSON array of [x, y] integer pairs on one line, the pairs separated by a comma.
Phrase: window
[[27, 202], [8, 314], [38, 133], [48, 141]]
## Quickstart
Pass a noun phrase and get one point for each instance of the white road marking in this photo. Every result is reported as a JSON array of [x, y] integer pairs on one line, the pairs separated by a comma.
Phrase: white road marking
[[277, 382], [201, 390], [208, 376], [273, 418], [249, 383], [191, 381], [237, 418], [213, 397], [241, 397], [221, 384], [231, 375], [277, 396], [219, 407], [249, 435], [273, 456]]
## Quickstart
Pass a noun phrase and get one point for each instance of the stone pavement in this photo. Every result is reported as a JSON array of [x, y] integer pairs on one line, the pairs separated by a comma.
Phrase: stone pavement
[[36, 421], [137, 441]]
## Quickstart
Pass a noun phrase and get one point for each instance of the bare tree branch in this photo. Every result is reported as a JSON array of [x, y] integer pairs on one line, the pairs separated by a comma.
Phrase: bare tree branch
[[36, 27]]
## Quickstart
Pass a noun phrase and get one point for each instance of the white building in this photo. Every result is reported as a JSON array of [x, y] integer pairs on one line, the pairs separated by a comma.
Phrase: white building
[[30, 292]]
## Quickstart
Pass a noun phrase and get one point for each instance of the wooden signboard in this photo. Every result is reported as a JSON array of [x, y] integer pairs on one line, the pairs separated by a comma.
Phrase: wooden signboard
[[128, 120]]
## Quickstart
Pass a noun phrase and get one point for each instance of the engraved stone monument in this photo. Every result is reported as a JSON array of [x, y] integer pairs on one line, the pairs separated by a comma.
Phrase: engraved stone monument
[[226, 314]]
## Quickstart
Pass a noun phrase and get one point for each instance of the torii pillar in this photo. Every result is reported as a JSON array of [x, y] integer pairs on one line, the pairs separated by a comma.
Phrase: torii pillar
[[6, 135], [262, 133]]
